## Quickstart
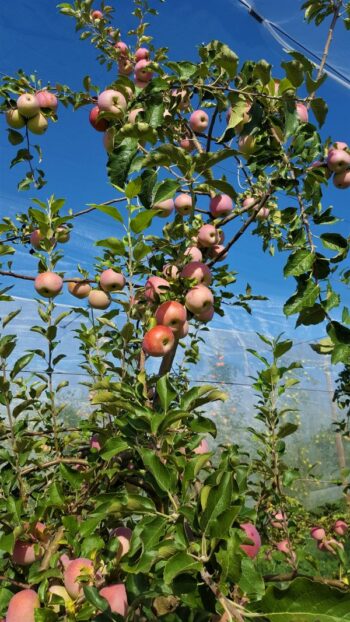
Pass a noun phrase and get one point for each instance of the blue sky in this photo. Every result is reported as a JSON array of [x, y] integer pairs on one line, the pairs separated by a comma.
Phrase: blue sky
[[34, 36]]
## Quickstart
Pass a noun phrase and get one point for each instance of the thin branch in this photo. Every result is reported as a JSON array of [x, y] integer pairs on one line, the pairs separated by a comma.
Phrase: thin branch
[[24, 586], [330, 34], [52, 548], [211, 128], [47, 465]]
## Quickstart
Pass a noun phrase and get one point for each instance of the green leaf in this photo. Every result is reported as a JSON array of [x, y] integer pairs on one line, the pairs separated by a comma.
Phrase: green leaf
[[20, 364], [115, 245], [299, 262], [219, 500], [305, 296], [119, 162], [141, 250], [164, 476], [304, 601], [8, 318], [294, 72], [178, 564], [262, 70], [15, 138], [110, 211], [287, 429], [251, 581], [165, 190], [73, 477], [142, 220], [93, 596], [282, 347], [185, 70], [113, 447], [165, 392], [334, 241], [133, 188], [320, 110]]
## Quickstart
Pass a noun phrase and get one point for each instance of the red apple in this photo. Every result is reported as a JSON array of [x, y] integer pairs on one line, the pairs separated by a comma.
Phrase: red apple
[[199, 121], [203, 447], [116, 597], [187, 144], [122, 47], [194, 253], [165, 207], [263, 213], [133, 114], [338, 160], [340, 145], [123, 534], [206, 315], [47, 100], [183, 204], [141, 54], [112, 102], [112, 281], [125, 66], [283, 546], [340, 527], [208, 236], [221, 205], [77, 567], [140, 84], [142, 71], [252, 533], [48, 284], [95, 442], [170, 271], [28, 105], [155, 285], [171, 314], [342, 180], [96, 15], [183, 331], [99, 299], [25, 553], [249, 202], [302, 112], [98, 124], [318, 533], [79, 290], [22, 606], [197, 271], [279, 520], [198, 299], [216, 250], [158, 341]]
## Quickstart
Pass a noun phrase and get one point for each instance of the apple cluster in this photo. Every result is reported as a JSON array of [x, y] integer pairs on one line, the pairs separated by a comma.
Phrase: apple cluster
[[29, 111], [326, 542]]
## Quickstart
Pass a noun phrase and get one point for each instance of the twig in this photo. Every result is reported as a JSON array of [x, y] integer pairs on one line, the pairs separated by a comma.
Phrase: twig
[[47, 465], [52, 548]]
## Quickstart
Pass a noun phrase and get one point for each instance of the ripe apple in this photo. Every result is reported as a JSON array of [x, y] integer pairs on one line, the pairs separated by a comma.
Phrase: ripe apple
[[48, 284], [25, 553], [22, 606], [112, 281], [76, 567], [198, 299], [208, 236], [15, 119], [47, 100], [116, 597], [342, 180], [165, 207], [246, 145], [249, 202], [133, 114], [187, 144], [216, 250], [125, 66], [317, 533], [283, 546], [199, 121], [197, 271], [340, 527], [122, 47], [96, 15], [183, 204], [171, 314], [340, 145], [155, 285], [183, 331], [142, 71], [158, 341], [302, 112], [221, 205], [101, 125], [37, 124], [338, 160], [112, 102], [206, 315], [63, 234], [108, 140], [252, 533], [99, 299], [194, 253], [202, 448], [123, 534], [79, 290], [171, 271], [28, 105], [141, 54], [263, 213]]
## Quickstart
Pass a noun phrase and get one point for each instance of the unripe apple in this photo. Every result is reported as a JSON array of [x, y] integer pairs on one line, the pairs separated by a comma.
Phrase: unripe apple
[[340, 145], [116, 597], [35, 239], [183, 204], [183, 331], [108, 140], [63, 234], [199, 121], [79, 290], [171, 271], [77, 567], [187, 144], [340, 527], [48, 284], [47, 100], [317, 533], [112, 102], [171, 314], [249, 202], [125, 66], [122, 47], [133, 114], [216, 250], [197, 271], [338, 160], [203, 447], [155, 285], [25, 553], [246, 145], [22, 606], [96, 15], [206, 315], [142, 71], [101, 125], [263, 213], [99, 299], [28, 105], [15, 119], [158, 341], [141, 54], [165, 207], [342, 180], [302, 112], [37, 124], [194, 253], [284, 547], [123, 534], [221, 205], [252, 533], [198, 299], [207, 236], [112, 281]]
